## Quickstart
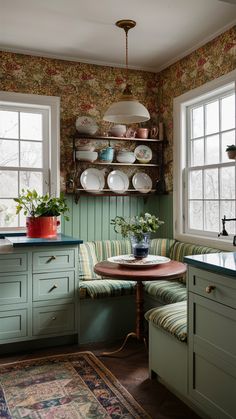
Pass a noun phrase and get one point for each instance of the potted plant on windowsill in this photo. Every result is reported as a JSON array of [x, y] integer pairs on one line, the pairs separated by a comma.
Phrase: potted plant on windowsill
[[139, 229], [41, 213], [231, 150]]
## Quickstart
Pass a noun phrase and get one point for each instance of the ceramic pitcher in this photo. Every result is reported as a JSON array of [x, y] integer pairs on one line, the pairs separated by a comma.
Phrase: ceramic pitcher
[[106, 154]]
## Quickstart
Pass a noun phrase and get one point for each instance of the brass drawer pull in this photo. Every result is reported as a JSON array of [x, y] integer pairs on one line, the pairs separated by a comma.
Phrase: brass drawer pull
[[210, 288], [51, 258], [53, 318], [53, 287]]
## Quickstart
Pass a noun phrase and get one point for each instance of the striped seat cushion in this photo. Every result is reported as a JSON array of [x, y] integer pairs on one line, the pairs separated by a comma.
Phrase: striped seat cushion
[[161, 247], [106, 288], [87, 260], [166, 291], [172, 318]]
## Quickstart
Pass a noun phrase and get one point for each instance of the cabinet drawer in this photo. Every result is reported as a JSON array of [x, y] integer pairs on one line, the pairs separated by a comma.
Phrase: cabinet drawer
[[212, 324], [56, 319], [13, 324], [13, 289], [53, 285], [52, 260], [223, 288], [212, 384], [13, 262]]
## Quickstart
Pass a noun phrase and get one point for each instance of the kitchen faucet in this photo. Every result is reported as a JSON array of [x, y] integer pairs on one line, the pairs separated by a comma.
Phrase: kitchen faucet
[[224, 232]]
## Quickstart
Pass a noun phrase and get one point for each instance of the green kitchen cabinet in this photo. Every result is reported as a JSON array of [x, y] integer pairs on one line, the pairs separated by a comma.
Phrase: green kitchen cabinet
[[212, 342], [38, 292]]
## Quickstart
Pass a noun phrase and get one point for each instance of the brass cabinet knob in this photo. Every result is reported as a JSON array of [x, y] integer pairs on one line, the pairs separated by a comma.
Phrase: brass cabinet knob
[[210, 288], [53, 318], [51, 258]]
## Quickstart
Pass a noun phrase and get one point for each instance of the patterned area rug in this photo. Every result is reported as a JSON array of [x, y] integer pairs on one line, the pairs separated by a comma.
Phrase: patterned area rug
[[66, 386]]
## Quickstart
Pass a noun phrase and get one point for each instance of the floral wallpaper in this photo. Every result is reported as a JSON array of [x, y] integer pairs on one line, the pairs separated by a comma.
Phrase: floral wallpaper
[[84, 89], [213, 60], [87, 89]]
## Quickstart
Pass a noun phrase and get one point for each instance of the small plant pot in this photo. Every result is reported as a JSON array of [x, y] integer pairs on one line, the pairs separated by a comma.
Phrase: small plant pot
[[41, 227], [231, 154], [140, 247]]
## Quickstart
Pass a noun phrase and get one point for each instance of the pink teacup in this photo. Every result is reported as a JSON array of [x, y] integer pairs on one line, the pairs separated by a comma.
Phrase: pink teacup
[[142, 133]]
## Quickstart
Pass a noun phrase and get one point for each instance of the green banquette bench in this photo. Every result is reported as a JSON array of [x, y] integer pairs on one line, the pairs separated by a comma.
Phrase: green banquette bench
[[107, 306]]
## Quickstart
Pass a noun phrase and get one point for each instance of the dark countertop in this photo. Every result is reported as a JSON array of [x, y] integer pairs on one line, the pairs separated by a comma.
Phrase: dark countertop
[[224, 263], [20, 240]]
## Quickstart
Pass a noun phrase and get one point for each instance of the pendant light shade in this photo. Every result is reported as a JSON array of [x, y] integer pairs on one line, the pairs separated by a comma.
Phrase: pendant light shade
[[127, 110]]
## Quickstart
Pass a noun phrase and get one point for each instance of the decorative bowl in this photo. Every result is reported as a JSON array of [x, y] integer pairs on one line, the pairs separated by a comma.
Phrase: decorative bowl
[[125, 157], [83, 155], [86, 125], [118, 131]]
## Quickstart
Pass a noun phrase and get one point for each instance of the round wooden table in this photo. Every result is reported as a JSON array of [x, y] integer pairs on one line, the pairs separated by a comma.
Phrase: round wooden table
[[167, 271]]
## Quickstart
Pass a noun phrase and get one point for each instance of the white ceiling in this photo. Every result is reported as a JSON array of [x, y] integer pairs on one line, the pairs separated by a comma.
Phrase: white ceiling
[[85, 31]]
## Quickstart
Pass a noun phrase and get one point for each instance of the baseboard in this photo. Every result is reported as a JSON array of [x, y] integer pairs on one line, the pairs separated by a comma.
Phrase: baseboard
[[9, 348]]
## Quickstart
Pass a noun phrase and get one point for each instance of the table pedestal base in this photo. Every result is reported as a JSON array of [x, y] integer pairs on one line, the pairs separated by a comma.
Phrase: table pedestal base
[[131, 334]]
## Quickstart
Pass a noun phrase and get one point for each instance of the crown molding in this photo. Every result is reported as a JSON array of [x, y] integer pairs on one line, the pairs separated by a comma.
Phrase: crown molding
[[74, 59], [196, 46]]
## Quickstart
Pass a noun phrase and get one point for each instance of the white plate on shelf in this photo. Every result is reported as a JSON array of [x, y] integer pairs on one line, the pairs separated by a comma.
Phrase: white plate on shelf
[[118, 181], [142, 182], [131, 262], [143, 153], [92, 180]]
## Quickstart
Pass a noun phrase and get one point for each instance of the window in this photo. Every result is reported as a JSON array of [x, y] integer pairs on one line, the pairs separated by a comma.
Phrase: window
[[29, 157], [204, 177]]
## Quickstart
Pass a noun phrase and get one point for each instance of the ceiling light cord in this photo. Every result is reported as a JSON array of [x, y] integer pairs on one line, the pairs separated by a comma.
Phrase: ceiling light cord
[[127, 110], [126, 54]]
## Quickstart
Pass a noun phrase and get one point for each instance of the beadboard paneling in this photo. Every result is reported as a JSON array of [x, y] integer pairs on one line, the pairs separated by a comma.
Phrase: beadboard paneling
[[90, 218]]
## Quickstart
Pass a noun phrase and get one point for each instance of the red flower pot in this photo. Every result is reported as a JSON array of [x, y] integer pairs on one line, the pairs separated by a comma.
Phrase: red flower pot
[[41, 227]]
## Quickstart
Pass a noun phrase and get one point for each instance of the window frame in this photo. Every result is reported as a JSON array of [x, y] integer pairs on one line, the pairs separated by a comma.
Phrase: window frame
[[180, 183], [50, 105]]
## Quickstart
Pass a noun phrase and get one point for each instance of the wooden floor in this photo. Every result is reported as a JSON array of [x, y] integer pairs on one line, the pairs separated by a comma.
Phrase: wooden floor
[[131, 368]]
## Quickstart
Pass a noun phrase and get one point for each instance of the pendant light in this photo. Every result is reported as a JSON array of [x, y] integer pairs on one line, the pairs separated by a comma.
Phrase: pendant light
[[127, 110]]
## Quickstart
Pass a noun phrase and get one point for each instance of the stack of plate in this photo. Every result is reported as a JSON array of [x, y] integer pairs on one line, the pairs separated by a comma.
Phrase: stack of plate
[[84, 155]]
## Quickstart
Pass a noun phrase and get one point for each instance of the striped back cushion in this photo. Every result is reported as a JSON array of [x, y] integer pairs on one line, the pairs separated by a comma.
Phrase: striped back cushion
[[180, 249], [161, 247], [107, 248], [87, 260]]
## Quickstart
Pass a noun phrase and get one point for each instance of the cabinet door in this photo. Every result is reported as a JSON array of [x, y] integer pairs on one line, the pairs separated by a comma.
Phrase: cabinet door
[[13, 262], [13, 324], [212, 356], [13, 289], [52, 260], [53, 285], [54, 320]]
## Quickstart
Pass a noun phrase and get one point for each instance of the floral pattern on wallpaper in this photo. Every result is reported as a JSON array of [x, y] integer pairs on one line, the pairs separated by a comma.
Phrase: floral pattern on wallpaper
[[87, 89], [84, 89], [209, 62]]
